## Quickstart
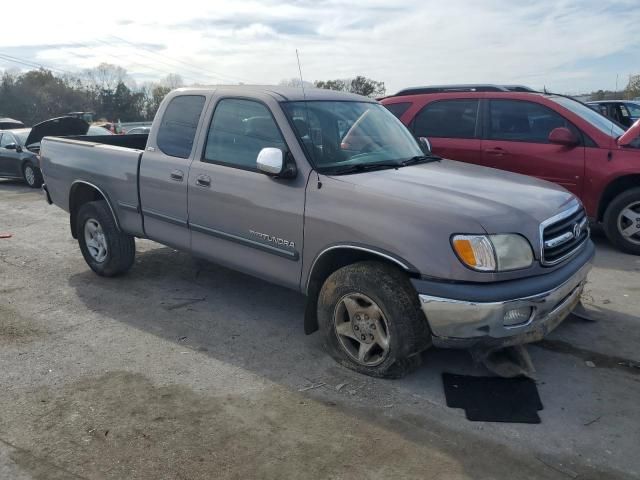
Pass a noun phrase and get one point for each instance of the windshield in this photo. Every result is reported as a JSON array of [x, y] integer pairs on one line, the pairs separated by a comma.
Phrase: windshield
[[21, 135], [347, 134], [634, 108], [599, 121]]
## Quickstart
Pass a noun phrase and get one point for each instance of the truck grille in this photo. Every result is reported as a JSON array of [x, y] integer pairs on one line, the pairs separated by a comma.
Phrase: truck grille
[[563, 235]]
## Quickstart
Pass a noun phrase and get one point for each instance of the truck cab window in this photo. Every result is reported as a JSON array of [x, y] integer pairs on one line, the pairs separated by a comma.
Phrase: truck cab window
[[239, 130], [179, 123]]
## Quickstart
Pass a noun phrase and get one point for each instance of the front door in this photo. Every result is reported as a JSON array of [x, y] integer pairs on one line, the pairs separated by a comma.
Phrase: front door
[[238, 216], [517, 139], [164, 172]]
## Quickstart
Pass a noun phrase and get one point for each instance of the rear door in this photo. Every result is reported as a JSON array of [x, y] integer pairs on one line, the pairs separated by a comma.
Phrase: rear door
[[9, 159], [452, 128], [516, 139], [164, 171], [240, 217]]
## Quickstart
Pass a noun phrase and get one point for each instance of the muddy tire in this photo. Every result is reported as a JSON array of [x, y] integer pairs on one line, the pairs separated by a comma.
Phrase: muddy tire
[[32, 175], [106, 250], [622, 221], [370, 319]]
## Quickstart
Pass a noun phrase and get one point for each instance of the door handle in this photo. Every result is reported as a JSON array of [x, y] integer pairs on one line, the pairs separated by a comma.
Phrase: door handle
[[177, 175], [203, 180], [498, 151]]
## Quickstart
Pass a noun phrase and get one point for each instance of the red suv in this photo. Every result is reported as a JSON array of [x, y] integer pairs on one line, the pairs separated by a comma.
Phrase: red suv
[[548, 136]]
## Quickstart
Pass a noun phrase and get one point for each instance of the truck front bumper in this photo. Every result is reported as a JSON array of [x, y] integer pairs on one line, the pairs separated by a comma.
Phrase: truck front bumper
[[482, 320]]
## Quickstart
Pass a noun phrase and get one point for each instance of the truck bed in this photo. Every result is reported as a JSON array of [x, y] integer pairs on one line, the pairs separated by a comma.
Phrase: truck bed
[[109, 163]]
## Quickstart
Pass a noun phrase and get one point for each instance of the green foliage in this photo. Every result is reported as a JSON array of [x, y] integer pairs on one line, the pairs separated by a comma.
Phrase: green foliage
[[360, 85], [633, 88], [38, 95]]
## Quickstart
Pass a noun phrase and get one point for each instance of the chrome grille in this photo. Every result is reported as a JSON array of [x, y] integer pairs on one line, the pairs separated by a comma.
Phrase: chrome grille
[[563, 235]]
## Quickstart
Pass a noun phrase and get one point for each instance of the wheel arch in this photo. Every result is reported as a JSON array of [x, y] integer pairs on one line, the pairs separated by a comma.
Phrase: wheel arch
[[337, 256], [615, 188], [82, 192]]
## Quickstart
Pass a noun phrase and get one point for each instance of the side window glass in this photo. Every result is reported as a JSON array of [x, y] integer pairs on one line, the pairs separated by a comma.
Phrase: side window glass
[[239, 130], [398, 109], [179, 124], [624, 112], [448, 119], [521, 121]]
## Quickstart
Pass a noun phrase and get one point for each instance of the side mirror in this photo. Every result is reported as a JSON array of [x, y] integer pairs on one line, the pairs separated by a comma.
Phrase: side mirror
[[271, 161], [425, 144], [563, 136], [11, 146]]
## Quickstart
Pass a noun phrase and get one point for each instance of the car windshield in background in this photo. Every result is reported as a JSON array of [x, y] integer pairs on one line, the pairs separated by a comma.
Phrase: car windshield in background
[[21, 135], [634, 108], [341, 136], [599, 121]]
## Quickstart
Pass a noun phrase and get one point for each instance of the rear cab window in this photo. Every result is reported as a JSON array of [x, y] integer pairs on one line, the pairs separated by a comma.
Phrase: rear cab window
[[179, 123]]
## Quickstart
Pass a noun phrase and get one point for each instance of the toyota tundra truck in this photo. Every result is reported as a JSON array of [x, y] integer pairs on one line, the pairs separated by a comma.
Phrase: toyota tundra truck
[[329, 194]]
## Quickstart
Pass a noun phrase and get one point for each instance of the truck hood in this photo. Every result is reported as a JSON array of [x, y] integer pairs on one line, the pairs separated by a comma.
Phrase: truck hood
[[57, 127], [499, 201]]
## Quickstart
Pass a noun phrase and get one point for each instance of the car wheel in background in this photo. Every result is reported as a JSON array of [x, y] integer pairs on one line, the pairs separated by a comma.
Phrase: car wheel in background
[[32, 175], [622, 221], [370, 317], [106, 250]]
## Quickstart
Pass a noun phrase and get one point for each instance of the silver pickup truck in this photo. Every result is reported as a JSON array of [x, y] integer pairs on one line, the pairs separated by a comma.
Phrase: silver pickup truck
[[329, 194]]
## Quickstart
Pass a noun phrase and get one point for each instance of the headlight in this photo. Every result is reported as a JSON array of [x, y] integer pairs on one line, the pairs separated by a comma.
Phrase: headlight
[[493, 253]]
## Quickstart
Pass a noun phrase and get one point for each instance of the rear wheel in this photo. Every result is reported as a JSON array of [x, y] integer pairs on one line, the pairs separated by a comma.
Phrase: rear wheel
[[32, 175], [106, 250], [622, 221], [370, 317]]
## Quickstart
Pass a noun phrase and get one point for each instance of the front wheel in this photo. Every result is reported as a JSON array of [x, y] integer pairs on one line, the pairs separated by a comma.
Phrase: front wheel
[[106, 250], [371, 321], [32, 175], [622, 221]]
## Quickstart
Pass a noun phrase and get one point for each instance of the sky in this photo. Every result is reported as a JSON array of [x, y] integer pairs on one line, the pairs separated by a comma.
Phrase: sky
[[567, 46]]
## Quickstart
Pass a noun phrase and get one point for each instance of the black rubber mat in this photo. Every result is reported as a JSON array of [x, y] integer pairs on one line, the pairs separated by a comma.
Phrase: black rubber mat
[[493, 399]]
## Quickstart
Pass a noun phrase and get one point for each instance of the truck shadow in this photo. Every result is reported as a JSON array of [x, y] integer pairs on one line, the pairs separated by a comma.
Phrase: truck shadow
[[231, 316]]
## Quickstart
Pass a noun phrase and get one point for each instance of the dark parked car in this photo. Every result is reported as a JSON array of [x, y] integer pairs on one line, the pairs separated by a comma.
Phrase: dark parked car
[[625, 112], [552, 137], [19, 148]]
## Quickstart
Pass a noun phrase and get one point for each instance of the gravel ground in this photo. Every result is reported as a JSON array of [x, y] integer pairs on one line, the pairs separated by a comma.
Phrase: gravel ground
[[186, 370]]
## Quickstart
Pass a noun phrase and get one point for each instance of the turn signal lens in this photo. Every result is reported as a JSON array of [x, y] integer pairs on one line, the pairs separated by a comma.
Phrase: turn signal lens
[[475, 251]]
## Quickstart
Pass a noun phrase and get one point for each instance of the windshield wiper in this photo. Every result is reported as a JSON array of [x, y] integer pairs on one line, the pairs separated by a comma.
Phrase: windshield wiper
[[421, 159], [360, 167]]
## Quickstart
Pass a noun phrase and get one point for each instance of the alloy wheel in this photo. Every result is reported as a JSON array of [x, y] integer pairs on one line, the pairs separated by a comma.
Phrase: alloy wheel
[[629, 223], [95, 240], [362, 329]]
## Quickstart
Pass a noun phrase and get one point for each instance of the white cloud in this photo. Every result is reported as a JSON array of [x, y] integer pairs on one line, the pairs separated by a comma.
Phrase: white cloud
[[567, 45]]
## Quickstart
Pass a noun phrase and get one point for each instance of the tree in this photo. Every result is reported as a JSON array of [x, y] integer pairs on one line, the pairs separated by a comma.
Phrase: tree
[[106, 76], [360, 85], [172, 81], [295, 82], [633, 87]]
